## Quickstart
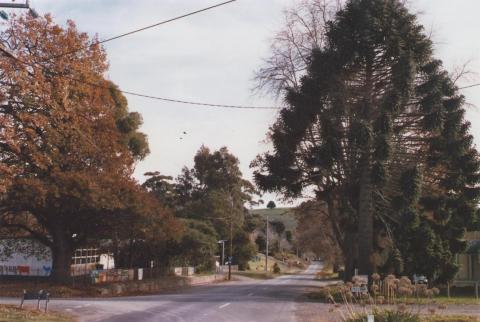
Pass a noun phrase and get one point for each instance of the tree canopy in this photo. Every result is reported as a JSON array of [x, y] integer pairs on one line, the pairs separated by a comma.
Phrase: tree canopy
[[67, 138], [377, 129], [210, 195]]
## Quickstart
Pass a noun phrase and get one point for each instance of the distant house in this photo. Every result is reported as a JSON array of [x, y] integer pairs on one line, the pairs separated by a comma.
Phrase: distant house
[[469, 260]]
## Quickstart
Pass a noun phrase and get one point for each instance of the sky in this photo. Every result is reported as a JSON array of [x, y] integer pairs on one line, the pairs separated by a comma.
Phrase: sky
[[211, 57]]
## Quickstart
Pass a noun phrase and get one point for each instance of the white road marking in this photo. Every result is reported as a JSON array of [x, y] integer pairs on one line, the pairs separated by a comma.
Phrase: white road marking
[[224, 305], [68, 310], [250, 294], [77, 307]]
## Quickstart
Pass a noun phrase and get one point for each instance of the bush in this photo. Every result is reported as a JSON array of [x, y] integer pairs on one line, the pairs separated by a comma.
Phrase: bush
[[389, 316], [276, 269]]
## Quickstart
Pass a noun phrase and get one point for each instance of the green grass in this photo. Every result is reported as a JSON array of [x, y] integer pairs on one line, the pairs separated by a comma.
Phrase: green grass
[[9, 313]]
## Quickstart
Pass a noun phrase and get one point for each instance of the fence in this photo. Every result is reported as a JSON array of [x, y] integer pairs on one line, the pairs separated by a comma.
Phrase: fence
[[223, 269], [124, 275], [184, 271]]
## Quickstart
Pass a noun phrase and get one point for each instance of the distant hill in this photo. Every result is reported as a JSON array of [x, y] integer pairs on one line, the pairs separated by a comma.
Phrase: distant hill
[[285, 215]]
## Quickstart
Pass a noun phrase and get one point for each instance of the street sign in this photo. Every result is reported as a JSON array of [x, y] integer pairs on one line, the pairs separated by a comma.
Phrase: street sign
[[370, 318], [359, 289]]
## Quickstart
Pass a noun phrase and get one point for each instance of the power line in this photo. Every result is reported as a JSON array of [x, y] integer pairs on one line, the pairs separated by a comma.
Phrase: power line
[[201, 104], [144, 28], [171, 100]]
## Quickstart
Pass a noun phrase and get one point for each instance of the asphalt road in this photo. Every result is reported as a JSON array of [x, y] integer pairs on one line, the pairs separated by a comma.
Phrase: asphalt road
[[272, 300]]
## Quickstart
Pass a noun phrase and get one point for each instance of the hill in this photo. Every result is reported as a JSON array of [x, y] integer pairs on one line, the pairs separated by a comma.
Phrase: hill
[[285, 215]]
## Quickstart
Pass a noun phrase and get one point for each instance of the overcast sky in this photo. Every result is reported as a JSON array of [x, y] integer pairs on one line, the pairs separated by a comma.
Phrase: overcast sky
[[211, 57]]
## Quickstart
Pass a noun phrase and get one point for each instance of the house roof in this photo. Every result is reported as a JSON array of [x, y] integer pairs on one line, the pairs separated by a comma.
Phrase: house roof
[[473, 247]]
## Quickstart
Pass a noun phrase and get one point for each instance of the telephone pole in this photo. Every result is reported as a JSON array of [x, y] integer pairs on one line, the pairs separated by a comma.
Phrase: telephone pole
[[223, 251], [266, 250], [231, 240]]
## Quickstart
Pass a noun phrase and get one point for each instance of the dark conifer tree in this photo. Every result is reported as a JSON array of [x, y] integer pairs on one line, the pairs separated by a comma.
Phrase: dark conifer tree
[[377, 129]]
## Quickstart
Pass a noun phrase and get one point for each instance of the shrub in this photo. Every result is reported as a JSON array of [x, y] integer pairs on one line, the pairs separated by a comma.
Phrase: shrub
[[276, 269], [388, 316]]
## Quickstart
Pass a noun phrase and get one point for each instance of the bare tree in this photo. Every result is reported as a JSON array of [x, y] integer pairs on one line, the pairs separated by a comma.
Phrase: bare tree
[[291, 47]]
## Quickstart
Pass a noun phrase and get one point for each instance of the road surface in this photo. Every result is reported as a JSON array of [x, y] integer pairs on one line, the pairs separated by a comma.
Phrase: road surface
[[239, 301]]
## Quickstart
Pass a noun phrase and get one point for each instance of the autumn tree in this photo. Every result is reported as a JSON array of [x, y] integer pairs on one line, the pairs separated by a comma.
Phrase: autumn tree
[[74, 142], [374, 113]]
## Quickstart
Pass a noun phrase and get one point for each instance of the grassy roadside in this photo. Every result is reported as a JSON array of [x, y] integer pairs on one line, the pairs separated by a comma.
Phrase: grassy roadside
[[257, 275], [320, 295], [10, 313], [450, 318], [463, 300]]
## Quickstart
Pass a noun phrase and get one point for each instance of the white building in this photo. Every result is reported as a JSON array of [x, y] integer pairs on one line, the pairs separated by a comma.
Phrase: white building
[[27, 257]]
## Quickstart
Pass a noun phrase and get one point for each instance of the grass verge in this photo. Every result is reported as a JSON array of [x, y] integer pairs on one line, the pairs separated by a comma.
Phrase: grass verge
[[256, 275], [10, 313], [451, 318], [399, 316]]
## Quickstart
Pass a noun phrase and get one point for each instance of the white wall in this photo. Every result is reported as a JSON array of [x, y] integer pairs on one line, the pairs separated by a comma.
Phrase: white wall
[[24, 257]]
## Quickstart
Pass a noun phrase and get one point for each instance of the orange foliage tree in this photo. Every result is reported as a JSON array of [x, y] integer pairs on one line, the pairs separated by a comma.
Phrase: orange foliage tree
[[67, 134]]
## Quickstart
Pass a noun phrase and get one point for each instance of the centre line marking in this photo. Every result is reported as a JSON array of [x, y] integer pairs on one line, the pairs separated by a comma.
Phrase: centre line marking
[[224, 305], [250, 294]]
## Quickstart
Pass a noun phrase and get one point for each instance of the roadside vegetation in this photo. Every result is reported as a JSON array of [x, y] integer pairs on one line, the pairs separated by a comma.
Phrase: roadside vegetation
[[10, 313], [399, 316]]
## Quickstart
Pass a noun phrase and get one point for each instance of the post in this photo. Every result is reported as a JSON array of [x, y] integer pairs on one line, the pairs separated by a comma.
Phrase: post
[[231, 241], [223, 253], [266, 248]]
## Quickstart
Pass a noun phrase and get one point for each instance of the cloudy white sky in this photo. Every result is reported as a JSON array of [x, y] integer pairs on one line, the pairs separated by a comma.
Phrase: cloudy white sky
[[211, 57]]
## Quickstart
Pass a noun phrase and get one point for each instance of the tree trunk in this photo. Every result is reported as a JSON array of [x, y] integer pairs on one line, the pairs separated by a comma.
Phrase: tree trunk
[[365, 220], [365, 206], [349, 255], [62, 252]]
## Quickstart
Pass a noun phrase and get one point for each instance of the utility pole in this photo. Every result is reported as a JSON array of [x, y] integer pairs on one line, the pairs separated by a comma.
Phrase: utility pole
[[231, 240], [266, 250], [223, 251]]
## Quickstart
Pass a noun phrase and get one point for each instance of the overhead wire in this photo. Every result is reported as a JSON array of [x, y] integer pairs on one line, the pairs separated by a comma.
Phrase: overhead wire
[[171, 100], [10, 55], [143, 29]]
